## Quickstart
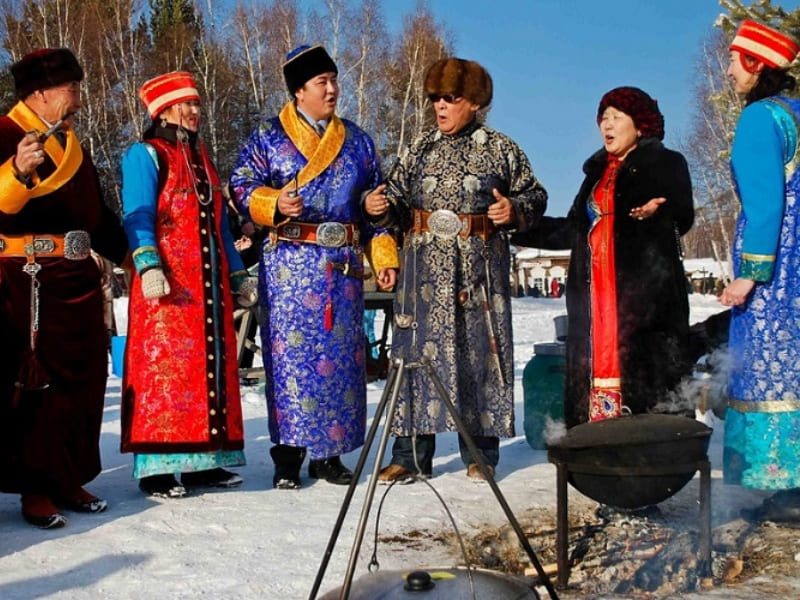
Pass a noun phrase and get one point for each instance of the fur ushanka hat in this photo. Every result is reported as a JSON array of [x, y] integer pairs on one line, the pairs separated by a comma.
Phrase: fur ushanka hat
[[45, 68], [461, 78]]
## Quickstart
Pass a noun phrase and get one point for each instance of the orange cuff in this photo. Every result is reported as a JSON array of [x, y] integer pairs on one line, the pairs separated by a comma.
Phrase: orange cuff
[[14, 194], [264, 205], [382, 253]]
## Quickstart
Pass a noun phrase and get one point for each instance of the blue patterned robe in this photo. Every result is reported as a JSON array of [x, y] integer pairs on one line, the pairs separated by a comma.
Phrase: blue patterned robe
[[440, 280], [762, 423], [315, 379]]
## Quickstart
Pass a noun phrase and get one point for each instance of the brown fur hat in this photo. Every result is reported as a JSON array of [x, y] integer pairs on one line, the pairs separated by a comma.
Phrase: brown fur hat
[[464, 78]]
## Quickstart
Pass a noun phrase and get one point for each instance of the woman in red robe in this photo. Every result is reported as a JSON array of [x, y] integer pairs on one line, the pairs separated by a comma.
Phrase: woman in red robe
[[181, 409]]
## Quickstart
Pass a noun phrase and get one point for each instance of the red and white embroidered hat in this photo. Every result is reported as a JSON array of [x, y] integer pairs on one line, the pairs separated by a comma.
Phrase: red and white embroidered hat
[[165, 90], [763, 43]]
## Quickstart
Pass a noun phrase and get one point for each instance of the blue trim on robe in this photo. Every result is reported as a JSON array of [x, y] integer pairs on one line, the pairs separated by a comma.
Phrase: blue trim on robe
[[139, 201], [757, 159]]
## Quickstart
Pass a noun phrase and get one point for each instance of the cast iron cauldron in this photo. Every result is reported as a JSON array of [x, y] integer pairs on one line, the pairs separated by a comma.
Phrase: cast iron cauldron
[[632, 461], [436, 584]]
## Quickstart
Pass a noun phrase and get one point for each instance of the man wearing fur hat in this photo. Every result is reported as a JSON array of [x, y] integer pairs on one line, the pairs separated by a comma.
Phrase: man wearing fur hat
[[53, 359], [301, 175], [457, 192]]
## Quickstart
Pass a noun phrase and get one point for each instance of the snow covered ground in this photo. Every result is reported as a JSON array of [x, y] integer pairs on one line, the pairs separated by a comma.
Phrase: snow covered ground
[[258, 543]]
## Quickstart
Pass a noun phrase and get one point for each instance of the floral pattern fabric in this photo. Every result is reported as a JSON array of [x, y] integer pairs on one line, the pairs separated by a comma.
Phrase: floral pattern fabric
[[442, 281], [312, 314], [181, 383], [762, 424]]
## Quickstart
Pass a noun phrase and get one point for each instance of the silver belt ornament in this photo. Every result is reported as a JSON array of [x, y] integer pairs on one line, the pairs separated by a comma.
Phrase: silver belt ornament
[[331, 234], [77, 245], [445, 224]]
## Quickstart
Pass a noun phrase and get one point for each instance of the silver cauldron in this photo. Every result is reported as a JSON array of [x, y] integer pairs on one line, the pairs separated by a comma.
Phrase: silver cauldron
[[437, 584]]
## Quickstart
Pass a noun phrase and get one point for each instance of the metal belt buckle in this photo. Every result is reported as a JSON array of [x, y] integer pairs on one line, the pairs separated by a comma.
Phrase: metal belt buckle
[[331, 234], [444, 224], [2, 245], [42, 245], [290, 231], [77, 245]]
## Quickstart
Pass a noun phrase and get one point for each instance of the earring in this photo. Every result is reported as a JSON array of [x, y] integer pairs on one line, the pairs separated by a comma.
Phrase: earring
[[163, 122]]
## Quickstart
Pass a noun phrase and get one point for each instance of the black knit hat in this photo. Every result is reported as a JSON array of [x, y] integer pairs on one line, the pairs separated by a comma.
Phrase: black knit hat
[[45, 68], [638, 106], [306, 62]]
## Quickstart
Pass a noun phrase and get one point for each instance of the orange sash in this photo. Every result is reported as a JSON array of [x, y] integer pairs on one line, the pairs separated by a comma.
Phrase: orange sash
[[13, 193], [320, 153]]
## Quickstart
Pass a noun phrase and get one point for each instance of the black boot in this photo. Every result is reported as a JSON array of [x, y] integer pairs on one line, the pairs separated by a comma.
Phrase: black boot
[[331, 470], [218, 478], [162, 486], [288, 460], [782, 507]]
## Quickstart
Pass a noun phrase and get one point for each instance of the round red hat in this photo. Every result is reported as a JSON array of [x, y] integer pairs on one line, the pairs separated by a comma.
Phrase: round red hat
[[763, 43], [165, 90]]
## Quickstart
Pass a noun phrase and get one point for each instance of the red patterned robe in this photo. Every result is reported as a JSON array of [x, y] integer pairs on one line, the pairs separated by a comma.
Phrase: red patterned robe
[[181, 385]]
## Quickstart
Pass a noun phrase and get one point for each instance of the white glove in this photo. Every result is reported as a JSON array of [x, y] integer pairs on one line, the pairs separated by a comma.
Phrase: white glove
[[154, 283], [247, 294]]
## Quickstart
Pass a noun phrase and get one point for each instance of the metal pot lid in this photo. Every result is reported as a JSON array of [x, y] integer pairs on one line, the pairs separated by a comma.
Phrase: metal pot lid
[[550, 349], [437, 584], [631, 431]]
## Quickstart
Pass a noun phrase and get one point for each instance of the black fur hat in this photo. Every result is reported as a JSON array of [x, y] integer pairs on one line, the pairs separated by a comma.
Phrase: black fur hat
[[45, 68], [306, 62]]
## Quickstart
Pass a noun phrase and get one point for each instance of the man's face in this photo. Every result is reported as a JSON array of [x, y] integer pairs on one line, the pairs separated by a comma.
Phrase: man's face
[[60, 101], [453, 113], [317, 98]]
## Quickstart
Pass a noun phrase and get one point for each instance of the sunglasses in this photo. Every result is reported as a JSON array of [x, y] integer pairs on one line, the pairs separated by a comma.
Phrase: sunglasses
[[449, 98]]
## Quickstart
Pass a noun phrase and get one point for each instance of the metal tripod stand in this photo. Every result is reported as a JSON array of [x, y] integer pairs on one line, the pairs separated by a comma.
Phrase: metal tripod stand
[[394, 380]]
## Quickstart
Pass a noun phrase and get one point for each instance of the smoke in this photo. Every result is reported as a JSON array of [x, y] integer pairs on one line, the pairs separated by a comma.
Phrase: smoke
[[706, 389], [553, 430]]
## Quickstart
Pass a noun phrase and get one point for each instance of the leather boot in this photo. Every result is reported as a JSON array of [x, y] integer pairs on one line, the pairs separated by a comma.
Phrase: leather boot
[[288, 460], [331, 470]]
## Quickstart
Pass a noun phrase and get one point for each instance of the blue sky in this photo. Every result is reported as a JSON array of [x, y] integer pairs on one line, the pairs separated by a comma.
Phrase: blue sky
[[552, 60]]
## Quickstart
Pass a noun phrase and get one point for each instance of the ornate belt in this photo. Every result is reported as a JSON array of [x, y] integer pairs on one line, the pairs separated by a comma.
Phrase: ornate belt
[[447, 224], [74, 245], [329, 234]]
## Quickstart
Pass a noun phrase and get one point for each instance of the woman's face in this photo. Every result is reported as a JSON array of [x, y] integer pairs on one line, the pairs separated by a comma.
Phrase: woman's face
[[453, 114], [743, 80], [186, 114], [620, 135]]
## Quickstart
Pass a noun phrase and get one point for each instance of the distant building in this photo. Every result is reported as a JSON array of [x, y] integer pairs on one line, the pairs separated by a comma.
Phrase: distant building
[[705, 275], [533, 271]]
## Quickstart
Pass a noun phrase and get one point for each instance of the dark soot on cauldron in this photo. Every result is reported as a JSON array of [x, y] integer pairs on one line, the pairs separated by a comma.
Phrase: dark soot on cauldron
[[632, 461]]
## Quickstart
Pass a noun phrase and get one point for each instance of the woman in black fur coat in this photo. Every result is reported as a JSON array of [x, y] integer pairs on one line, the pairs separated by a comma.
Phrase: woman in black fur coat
[[626, 293]]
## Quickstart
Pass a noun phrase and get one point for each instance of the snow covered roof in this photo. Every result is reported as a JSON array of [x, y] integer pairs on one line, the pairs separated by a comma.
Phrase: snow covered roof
[[531, 253], [702, 267]]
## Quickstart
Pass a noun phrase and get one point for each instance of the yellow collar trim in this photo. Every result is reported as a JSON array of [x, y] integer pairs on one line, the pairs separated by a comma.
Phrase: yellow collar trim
[[320, 152], [67, 160]]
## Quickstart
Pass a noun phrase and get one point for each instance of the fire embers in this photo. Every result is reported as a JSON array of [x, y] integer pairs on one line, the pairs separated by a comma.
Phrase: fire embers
[[649, 553]]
